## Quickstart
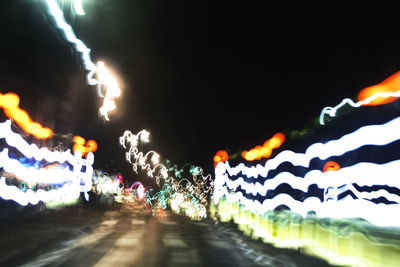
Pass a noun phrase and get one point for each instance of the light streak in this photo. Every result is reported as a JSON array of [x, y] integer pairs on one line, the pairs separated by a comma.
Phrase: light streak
[[10, 104], [379, 94], [390, 85], [32, 150], [266, 149], [107, 85], [377, 135], [67, 192], [32, 175], [362, 174]]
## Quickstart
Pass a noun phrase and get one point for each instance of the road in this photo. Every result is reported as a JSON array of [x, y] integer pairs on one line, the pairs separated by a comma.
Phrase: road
[[85, 237]]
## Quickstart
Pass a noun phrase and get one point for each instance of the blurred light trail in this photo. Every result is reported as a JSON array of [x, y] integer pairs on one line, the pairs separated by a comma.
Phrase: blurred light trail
[[266, 149], [10, 104], [379, 94], [32, 150], [107, 85], [390, 85], [66, 193], [334, 183]]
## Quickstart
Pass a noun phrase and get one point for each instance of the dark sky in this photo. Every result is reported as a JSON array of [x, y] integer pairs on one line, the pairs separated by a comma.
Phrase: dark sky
[[200, 76]]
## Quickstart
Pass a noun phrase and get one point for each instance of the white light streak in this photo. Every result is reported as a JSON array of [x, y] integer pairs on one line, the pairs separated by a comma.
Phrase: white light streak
[[331, 111], [362, 174], [32, 150], [66, 193], [106, 84]]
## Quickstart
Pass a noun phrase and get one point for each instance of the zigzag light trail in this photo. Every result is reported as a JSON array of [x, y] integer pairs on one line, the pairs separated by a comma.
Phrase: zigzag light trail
[[67, 192], [362, 174]]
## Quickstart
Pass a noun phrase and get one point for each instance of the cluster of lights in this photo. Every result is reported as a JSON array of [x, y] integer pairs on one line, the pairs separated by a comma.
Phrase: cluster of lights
[[84, 147], [199, 188], [107, 85], [149, 161], [188, 206], [333, 183], [108, 185], [379, 94]]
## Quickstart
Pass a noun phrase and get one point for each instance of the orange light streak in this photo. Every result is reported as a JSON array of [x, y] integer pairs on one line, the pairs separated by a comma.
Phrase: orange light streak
[[266, 149], [10, 104], [390, 84]]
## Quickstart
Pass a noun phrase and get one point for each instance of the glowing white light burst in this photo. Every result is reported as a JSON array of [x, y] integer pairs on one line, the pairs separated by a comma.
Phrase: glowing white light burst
[[78, 7], [107, 85]]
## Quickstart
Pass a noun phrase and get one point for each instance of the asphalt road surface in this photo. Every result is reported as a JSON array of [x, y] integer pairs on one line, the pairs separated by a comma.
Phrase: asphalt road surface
[[86, 237]]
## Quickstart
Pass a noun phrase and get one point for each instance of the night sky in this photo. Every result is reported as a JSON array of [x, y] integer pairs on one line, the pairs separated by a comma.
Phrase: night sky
[[200, 76]]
